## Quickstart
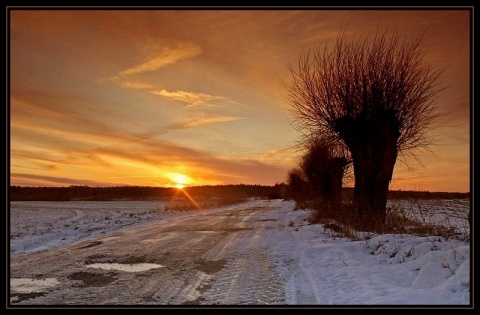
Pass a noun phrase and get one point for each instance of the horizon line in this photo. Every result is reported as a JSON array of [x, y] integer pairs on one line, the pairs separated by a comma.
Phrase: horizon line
[[217, 185]]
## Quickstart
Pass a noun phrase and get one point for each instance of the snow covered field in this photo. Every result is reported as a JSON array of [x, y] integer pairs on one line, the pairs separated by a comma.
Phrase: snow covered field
[[314, 265], [42, 225]]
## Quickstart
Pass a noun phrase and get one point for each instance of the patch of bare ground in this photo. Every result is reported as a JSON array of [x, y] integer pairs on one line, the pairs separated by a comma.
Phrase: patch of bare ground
[[19, 297], [209, 266], [93, 279]]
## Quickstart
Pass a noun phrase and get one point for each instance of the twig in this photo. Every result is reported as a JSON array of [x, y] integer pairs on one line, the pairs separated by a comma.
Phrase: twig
[[341, 260]]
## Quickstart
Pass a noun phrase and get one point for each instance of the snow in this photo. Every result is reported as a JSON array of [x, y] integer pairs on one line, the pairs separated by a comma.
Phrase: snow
[[125, 267], [31, 285], [37, 226], [326, 268]]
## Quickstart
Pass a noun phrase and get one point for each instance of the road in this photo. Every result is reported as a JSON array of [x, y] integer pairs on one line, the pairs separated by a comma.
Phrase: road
[[227, 256]]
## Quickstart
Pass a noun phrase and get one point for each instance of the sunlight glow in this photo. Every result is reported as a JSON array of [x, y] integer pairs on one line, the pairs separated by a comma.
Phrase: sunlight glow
[[191, 199], [180, 180]]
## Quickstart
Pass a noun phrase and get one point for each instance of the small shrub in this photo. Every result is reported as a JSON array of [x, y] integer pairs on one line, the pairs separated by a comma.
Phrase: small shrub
[[409, 217]]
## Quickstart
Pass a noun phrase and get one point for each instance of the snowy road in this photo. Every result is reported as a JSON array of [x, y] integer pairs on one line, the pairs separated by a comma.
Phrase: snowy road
[[221, 256], [260, 252]]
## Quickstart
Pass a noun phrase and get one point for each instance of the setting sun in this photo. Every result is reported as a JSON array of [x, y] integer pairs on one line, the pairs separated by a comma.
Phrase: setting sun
[[180, 180]]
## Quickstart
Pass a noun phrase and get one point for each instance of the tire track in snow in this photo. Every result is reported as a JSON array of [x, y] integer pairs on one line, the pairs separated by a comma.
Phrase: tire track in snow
[[250, 276], [301, 278]]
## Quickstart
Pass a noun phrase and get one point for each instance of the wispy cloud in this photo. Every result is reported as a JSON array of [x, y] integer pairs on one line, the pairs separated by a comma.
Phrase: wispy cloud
[[286, 156], [184, 124], [143, 162], [157, 158], [190, 123], [136, 85], [41, 180], [168, 55], [192, 98]]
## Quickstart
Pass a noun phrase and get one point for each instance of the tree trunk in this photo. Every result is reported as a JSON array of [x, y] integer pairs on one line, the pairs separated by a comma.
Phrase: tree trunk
[[337, 172], [327, 180], [371, 190], [372, 142]]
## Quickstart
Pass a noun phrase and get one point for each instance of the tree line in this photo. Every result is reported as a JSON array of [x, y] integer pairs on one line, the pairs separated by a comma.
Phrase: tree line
[[89, 193], [277, 191]]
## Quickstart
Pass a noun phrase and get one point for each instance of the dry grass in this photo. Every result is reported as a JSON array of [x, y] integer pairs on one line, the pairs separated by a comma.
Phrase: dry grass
[[422, 218], [446, 218]]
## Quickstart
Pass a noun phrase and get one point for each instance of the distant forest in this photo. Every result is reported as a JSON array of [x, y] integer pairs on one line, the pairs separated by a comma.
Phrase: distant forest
[[278, 191], [85, 193]]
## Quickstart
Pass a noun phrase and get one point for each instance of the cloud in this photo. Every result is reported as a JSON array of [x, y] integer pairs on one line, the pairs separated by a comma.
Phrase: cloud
[[192, 98], [168, 55], [64, 115], [184, 124], [152, 157], [41, 180], [136, 85], [191, 123], [145, 162], [286, 156]]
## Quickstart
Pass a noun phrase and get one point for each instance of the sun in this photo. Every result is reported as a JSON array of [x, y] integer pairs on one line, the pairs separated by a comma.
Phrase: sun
[[180, 180]]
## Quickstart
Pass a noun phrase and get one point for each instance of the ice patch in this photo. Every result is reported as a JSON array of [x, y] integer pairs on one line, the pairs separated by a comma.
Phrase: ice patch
[[125, 267], [26, 285]]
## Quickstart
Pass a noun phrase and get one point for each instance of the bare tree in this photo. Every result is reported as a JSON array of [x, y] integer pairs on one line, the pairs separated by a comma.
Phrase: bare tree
[[377, 96], [297, 183], [324, 164]]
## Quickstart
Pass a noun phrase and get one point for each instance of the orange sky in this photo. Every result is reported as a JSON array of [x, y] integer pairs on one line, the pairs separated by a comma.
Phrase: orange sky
[[193, 97]]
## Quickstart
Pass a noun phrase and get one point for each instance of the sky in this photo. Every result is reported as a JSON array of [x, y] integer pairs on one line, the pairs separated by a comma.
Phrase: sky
[[317, 265], [194, 97]]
